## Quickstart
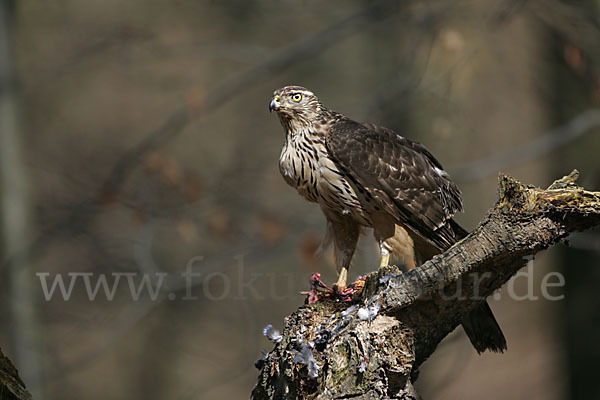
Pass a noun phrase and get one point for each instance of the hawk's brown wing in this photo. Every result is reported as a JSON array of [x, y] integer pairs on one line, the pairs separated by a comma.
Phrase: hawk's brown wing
[[401, 175]]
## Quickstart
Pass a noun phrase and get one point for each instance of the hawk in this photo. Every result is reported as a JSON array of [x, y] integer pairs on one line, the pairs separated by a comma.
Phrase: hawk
[[367, 176]]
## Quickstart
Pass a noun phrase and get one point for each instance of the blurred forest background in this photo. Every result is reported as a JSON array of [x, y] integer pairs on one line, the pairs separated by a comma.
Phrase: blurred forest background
[[135, 138]]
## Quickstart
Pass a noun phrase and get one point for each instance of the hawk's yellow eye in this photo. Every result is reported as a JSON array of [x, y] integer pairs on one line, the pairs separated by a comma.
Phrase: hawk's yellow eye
[[297, 97]]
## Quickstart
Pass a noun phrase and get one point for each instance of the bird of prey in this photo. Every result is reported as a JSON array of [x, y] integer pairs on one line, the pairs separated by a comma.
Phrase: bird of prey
[[367, 176]]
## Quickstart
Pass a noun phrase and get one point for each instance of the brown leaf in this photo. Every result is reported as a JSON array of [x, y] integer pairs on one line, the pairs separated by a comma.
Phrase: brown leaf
[[154, 162], [453, 40], [138, 217], [171, 173], [574, 58], [107, 198], [596, 93], [194, 99], [270, 230], [219, 223], [191, 188], [308, 248], [187, 230]]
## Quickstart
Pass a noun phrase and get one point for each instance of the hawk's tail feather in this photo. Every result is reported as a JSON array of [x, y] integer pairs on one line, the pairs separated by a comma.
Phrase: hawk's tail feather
[[480, 325], [483, 330], [459, 231]]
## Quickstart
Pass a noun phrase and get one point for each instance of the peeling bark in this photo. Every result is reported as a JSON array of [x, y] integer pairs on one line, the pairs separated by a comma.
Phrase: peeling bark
[[379, 358]]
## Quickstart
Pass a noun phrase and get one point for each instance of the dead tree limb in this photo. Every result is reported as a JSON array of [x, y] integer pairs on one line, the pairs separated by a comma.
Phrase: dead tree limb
[[374, 349], [11, 386]]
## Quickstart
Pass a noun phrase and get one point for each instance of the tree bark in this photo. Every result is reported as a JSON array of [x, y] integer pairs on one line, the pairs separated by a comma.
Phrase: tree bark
[[347, 350], [11, 386]]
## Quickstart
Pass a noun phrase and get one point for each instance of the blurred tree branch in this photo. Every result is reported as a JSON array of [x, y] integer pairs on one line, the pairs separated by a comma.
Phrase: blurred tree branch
[[11, 386], [586, 122], [95, 46], [84, 211], [332, 351], [279, 61], [571, 21]]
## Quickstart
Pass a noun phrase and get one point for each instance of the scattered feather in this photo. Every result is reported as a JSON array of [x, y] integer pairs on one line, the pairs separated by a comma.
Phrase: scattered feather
[[386, 278], [349, 310], [272, 334], [368, 313], [305, 357], [362, 367], [261, 361]]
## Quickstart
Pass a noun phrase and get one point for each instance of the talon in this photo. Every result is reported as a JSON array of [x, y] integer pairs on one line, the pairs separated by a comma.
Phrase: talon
[[338, 292]]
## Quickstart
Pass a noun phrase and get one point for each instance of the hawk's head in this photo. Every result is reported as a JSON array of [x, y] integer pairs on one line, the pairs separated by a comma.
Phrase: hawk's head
[[295, 104]]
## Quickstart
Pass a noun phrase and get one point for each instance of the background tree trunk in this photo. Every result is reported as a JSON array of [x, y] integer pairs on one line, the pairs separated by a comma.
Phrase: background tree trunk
[[15, 209]]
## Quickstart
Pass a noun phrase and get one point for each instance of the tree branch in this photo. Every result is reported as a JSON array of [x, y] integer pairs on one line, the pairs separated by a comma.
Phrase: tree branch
[[373, 349]]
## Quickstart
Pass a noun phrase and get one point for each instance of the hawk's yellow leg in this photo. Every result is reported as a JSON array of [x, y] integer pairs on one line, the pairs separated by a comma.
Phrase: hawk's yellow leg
[[342, 279], [385, 260], [385, 256]]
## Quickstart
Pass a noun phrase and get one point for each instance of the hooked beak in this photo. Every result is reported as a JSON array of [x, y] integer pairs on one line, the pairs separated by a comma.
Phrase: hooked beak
[[274, 104]]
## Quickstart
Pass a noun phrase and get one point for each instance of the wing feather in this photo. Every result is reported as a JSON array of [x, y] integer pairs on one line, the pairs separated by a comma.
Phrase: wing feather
[[402, 176]]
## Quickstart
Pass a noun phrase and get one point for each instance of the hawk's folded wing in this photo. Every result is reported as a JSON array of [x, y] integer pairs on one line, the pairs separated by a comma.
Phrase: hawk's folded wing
[[401, 175]]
